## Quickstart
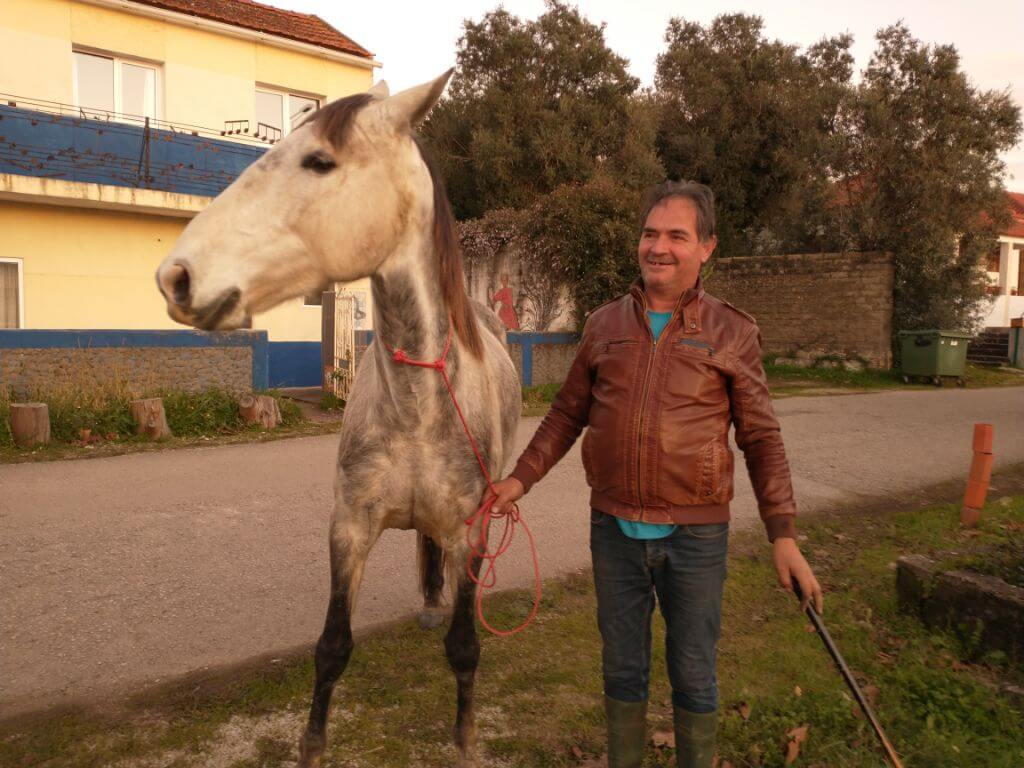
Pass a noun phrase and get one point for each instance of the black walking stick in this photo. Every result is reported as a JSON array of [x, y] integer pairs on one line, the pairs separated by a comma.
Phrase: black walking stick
[[848, 677]]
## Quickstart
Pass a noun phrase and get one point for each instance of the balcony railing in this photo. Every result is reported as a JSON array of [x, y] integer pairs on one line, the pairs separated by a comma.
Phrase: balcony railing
[[52, 140]]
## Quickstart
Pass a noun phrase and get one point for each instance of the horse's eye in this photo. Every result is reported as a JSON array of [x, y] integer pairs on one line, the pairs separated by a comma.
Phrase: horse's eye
[[320, 162]]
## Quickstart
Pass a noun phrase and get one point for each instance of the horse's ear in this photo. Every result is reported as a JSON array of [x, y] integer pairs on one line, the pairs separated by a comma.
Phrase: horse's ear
[[379, 90], [408, 108]]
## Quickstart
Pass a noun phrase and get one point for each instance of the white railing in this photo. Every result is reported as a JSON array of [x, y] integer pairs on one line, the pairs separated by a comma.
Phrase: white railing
[[1004, 308]]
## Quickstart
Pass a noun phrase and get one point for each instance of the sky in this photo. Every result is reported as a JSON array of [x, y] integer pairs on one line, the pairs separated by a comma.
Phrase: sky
[[416, 41]]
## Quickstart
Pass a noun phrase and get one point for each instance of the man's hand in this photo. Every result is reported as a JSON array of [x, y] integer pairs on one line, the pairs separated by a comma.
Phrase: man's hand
[[790, 564], [508, 491]]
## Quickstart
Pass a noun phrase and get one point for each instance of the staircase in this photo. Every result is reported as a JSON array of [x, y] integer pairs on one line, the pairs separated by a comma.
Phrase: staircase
[[990, 347]]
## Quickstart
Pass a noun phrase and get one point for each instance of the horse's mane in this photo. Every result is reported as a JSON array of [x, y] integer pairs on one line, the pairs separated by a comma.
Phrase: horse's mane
[[334, 122], [449, 256]]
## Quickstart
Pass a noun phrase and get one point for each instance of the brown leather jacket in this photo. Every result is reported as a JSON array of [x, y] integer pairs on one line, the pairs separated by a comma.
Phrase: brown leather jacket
[[658, 415]]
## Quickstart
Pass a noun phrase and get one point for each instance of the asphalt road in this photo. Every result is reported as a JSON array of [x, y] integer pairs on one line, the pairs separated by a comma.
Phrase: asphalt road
[[117, 573]]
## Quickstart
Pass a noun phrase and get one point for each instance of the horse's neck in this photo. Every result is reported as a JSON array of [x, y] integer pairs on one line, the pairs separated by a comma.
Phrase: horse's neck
[[408, 310]]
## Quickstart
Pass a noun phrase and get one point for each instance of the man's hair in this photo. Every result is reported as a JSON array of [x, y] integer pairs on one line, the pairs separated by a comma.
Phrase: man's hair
[[700, 194]]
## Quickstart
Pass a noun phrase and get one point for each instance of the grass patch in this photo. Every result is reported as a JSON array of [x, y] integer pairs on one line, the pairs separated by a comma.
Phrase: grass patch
[[786, 376], [537, 400], [192, 416], [331, 402], [539, 694], [210, 412]]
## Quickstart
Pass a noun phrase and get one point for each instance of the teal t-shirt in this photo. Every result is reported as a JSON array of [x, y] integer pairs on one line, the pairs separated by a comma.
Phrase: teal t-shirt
[[649, 530]]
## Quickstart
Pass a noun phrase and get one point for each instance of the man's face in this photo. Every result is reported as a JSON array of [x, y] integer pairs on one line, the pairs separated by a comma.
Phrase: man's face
[[670, 252]]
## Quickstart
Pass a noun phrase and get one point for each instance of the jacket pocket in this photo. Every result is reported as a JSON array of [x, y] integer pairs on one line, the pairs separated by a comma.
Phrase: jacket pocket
[[713, 467], [694, 346]]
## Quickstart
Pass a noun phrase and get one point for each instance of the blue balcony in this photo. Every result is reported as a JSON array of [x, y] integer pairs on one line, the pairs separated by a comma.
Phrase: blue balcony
[[36, 142]]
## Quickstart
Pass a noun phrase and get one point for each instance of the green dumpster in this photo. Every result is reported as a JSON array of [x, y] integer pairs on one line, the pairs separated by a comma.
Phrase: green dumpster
[[934, 355]]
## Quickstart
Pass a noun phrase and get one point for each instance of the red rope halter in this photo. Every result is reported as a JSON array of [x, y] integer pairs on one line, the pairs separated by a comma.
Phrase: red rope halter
[[480, 548]]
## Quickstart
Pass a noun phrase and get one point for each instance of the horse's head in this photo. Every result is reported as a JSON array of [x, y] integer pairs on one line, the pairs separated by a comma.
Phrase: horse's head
[[327, 203]]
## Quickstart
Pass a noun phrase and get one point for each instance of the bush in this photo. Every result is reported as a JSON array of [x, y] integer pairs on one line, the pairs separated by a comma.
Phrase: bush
[[210, 412], [6, 438]]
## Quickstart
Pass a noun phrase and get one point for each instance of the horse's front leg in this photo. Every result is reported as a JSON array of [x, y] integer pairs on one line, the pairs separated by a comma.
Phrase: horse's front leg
[[462, 647], [349, 545]]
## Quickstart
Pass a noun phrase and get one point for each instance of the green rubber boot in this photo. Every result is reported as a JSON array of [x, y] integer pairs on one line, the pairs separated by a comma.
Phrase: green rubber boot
[[695, 738], [627, 724]]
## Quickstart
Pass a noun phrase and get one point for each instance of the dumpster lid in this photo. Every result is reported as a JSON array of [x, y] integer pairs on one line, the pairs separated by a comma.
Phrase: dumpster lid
[[940, 333]]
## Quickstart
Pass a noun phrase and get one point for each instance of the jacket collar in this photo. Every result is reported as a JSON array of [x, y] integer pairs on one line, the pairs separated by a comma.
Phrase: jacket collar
[[688, 304]]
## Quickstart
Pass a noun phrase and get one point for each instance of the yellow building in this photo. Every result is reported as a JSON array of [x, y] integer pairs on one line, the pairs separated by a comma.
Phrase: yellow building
[[119, 121]]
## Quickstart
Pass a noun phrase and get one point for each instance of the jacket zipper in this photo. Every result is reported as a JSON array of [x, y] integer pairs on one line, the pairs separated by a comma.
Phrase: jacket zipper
[[643, 406]]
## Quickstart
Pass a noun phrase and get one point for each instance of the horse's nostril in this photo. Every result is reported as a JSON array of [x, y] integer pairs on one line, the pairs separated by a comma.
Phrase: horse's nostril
[[181, 288], [176, 284]]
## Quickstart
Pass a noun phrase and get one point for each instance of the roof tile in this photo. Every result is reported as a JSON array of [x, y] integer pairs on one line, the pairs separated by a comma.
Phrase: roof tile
[[305, 28]]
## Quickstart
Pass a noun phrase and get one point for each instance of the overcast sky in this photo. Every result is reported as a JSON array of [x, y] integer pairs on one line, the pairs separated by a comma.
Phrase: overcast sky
[[416, 40]]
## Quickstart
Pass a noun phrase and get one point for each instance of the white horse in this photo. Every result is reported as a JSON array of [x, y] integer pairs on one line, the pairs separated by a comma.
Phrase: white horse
[[349, 193]]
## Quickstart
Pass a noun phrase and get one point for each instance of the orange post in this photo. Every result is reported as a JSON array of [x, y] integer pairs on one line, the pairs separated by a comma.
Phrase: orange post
[[981, 474]]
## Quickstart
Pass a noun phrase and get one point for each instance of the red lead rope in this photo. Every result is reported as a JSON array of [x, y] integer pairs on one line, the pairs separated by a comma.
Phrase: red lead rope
[[480, 548]]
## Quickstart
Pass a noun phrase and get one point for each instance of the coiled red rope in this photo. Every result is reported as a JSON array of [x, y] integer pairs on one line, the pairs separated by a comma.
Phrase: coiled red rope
[[485, 514]]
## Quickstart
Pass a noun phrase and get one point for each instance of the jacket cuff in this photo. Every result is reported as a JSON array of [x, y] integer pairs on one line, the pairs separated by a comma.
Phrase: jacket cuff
[[525, 474], [780, 527]]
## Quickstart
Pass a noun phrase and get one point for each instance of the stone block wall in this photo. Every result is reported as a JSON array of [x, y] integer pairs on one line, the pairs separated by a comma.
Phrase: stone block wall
[[821, 304], [134, 362]]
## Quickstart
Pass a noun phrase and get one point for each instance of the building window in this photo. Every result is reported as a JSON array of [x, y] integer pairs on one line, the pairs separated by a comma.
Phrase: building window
[[12, 309], [109, 85], [277, 112]]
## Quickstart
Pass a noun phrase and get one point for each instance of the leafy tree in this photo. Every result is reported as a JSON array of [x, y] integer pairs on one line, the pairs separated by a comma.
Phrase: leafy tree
[[925, 177], [758, 121], [587, 235], [532, 105]]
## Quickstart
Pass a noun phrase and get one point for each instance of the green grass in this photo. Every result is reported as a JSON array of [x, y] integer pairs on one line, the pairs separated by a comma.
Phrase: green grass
[[192, 416], [539, 694], [787, 380]]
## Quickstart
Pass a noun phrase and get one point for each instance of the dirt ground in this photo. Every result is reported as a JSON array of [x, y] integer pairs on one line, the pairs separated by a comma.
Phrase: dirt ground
[[120, 573]]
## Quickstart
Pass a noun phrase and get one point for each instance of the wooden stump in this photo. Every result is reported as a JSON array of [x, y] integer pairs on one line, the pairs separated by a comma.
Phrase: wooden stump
[[30, 423], [259, 409], [150, 419]]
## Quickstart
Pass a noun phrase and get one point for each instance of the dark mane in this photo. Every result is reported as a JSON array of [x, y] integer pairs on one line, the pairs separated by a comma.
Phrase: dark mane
[[334, 120], [449, 258]]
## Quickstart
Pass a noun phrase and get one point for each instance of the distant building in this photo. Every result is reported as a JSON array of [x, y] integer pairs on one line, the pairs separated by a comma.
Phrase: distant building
[[122, 119], [1006, 278]]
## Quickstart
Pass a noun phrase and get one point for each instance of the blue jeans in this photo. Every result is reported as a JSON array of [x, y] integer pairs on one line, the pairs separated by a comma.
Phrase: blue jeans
[[686, 570]]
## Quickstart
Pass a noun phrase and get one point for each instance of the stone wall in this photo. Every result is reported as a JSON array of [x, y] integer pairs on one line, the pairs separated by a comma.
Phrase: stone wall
[[34, 362], [818, 305]]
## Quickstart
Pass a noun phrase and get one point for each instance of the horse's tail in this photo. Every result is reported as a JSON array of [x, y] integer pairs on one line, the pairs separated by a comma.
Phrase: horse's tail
[[431, 563]]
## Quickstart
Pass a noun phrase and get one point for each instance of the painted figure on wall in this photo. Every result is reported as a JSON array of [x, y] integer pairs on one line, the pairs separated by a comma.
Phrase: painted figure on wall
[[507, 310]]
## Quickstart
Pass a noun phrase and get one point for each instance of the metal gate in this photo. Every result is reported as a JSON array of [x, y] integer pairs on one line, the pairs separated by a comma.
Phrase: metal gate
[[339, 342]]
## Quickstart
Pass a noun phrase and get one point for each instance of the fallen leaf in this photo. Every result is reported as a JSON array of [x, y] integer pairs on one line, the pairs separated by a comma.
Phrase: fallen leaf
[[744, 709], [792, 752], [871, 693], [799, 735], [959, 666], [726, 764], [664, 738], [577, 752], [809, 628], [885, 658], [796, 737], [798, 691]]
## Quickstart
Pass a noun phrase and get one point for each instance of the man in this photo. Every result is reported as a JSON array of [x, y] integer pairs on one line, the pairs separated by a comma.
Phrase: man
[[659, 375]]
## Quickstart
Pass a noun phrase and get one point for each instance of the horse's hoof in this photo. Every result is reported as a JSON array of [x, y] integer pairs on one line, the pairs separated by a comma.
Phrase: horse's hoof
[[311, 750], [431, 618]]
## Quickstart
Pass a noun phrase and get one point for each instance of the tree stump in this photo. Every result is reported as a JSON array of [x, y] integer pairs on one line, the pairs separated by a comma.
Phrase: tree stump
[[259, 409], [150, 419], [30, 423]]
